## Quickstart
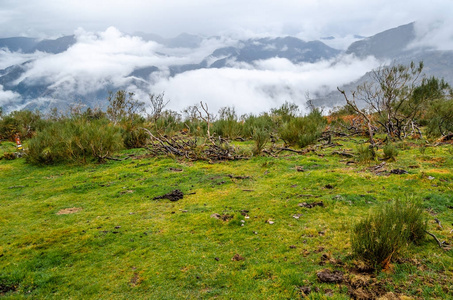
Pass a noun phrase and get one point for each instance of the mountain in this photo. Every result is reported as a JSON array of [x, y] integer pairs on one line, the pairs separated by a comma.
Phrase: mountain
[[253, 50], [291, 48], [31, 45], [18, 44], [396, 45], [93, 82], [184, 40], [387, 44]]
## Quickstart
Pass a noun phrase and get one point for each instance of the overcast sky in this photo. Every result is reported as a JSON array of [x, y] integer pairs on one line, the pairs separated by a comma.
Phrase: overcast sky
[[106, 50], [307, 19]]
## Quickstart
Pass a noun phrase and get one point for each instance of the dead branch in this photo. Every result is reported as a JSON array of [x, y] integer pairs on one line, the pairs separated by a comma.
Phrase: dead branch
[[437, 240]]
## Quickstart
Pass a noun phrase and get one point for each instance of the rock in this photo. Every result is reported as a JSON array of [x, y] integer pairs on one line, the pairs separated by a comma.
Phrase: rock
[[329, 276]]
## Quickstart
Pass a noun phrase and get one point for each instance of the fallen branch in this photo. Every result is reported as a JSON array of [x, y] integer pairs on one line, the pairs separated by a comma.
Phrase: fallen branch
[[345, 154], [437, 240], [291, 150]]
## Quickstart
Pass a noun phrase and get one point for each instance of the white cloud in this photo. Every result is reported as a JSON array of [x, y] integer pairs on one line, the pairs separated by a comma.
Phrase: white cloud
[[104, 58], [259, 89], [8, 97]]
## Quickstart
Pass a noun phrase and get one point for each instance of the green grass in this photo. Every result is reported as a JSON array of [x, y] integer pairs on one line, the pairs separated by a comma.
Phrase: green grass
[[122, 244]]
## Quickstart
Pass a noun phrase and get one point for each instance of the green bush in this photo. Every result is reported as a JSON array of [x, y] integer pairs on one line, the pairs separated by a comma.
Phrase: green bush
[[74, 140], [385, 233], [133, 134], [252, 122], [365, 154], [227, 126], [303, 131], [260, 136], [23, 122], [390, 151]]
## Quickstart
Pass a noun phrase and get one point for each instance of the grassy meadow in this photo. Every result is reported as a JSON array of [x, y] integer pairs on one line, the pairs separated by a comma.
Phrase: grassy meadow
[[94, 231]]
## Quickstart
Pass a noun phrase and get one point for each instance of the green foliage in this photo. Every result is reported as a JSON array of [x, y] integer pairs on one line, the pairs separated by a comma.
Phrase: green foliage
[[74, 140], [123, 105], [303, 131], [285, 113], [168, 122], [383, 234], [365, 154], [133, 134], [260, 136], [439, 118], [23, 122], [390, 151], [227, 125], [252, 122]]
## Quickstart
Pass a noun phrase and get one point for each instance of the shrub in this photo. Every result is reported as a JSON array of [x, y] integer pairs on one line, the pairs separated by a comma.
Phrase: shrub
[[260, 136], [365, 154], [133, 134], [74, 140], [23, 122], [390, 152], [251, 122], [303, 131], [227, 125], [383, 234]]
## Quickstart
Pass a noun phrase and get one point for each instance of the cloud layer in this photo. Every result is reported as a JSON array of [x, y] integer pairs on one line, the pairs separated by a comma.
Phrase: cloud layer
[[105, 60], [309, 19]]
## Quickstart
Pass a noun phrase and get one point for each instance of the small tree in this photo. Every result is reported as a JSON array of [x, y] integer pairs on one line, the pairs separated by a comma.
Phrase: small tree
[[158, 104], [389, 97], [123, 105]]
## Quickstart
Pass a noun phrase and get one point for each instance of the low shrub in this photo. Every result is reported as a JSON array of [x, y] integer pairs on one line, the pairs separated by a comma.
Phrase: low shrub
[[390, 152], [365, 154], [303, 131], [260, 136], [75, 140], [383, 234]]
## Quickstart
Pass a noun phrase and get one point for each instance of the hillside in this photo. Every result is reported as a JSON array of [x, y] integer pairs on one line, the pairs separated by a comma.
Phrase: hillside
[[243, 229]]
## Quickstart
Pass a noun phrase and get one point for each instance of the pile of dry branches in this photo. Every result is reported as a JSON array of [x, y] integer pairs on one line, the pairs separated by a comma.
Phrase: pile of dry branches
[[189, 148]]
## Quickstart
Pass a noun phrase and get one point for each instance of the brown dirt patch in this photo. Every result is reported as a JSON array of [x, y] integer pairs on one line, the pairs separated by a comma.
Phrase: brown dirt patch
[[68, 211]]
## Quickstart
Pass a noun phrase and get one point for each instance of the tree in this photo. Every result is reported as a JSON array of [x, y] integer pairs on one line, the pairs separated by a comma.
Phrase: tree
[[389, 97], [158, 104], [123, 105]]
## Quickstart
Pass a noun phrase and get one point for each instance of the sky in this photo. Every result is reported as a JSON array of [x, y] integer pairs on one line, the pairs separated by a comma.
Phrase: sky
[[107, 50], [307, 19]]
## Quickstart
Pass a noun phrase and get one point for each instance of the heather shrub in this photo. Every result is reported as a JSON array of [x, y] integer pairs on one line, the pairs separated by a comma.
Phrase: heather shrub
[[74, 140], [387, 231], [390, 151], [303, 131]]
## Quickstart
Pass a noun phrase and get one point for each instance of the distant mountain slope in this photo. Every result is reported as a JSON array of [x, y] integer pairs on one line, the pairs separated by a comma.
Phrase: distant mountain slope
[[16, 44], [395, 46], [387, 44], [291, 48], [30, 45]]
